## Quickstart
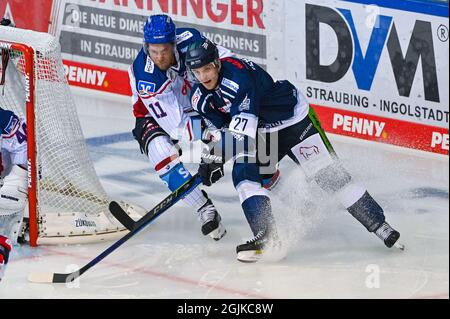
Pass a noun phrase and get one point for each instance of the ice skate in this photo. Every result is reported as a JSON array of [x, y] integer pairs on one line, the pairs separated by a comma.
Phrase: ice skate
[[253, 250], [389, 236], [211, 220]]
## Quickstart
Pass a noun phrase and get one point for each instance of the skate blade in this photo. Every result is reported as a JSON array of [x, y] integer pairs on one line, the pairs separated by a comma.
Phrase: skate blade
[[249, 256], [218, 233], [399, 246]]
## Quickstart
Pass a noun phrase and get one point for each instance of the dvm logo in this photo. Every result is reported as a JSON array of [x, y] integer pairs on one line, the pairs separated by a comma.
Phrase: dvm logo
[[364, 67]]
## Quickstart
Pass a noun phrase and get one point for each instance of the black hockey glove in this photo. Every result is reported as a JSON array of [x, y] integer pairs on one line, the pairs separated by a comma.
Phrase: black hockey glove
[[211, 166], [210, 172]]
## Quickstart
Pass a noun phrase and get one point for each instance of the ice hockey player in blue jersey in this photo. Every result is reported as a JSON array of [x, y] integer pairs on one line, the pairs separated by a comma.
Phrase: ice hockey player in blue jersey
[[161, 104], [241, 100]]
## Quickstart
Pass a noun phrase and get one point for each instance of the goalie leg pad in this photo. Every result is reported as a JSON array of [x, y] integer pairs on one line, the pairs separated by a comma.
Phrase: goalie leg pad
[[11, 224]]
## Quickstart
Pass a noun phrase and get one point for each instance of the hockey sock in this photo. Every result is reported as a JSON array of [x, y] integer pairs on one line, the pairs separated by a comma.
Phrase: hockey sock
[[258, 211], [176, 177], [362, 206]]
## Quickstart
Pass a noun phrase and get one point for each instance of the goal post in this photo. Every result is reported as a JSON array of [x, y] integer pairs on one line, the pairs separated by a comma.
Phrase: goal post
[[66, 201]]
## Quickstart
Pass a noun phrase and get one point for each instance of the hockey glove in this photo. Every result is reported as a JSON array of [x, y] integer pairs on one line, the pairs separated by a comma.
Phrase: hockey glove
[[210, 172]]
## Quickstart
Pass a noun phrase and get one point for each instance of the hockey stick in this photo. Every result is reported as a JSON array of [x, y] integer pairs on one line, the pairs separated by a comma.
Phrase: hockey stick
[[117, 211], [165, 204]]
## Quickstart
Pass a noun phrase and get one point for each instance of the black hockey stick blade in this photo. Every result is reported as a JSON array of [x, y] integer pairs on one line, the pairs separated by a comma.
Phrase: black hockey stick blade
[[157, 211], [117, 211]]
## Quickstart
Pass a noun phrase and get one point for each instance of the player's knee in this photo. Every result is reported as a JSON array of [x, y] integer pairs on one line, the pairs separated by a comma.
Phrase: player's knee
[[247, 181], [147, 129], [163, 154], [247, 189], [245, 172]]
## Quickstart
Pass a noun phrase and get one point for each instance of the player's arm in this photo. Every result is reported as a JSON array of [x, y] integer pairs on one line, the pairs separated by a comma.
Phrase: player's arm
[[237, 143]]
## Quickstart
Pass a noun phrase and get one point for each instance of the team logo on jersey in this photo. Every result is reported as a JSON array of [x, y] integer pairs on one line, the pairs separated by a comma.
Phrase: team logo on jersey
[[12, 126], [233, 86], [245, 105], [308, 152], [146, 88]]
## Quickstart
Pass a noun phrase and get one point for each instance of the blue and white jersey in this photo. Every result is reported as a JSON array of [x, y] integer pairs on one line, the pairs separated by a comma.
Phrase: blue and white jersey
[[165, 95], [13, 138], [248, 99]]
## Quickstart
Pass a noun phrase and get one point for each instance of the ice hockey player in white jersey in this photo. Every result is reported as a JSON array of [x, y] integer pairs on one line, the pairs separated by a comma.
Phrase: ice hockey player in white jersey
[[238, 97], [13, 185], [13, 169], [161, 104]]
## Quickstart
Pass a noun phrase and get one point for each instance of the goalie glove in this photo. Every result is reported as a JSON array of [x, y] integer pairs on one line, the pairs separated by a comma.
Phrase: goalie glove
[[5, 248]]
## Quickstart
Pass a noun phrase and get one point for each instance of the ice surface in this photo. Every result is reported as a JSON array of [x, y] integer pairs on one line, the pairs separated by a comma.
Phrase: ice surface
[[328, 254]]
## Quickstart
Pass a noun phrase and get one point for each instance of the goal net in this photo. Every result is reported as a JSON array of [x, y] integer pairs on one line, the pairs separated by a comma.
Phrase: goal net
[[67, 203]]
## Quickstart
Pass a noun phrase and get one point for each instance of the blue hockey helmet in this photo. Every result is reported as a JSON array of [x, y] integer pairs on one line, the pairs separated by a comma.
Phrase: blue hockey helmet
[[159, 29]]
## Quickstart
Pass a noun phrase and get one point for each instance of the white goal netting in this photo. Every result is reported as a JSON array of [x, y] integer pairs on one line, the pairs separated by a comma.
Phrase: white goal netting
[[71, 203]]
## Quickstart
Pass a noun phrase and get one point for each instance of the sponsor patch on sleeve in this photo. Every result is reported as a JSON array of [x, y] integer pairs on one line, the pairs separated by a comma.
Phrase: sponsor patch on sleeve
[[196, 98], [184, 36], [149, 66], [230, 84]]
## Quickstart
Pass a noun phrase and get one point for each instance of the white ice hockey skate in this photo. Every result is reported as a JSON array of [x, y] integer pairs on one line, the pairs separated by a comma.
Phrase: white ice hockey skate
[[211, 220]]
